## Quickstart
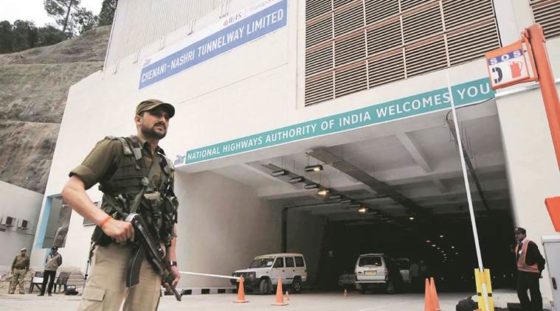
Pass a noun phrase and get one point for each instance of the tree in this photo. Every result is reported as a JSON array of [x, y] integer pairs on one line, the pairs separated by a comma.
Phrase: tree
[[49, 35], [83, 20], [6, 37], [23, 35], [108, 8], [60, 10]]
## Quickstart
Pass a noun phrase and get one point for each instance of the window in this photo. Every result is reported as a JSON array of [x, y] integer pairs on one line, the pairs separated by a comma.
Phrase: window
[[279, 263], [300, 262], [289, 261], [261, 263], [370, 261]]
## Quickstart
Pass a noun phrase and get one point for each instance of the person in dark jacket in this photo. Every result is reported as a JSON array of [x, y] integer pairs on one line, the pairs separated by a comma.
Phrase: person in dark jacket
[[530, 264]]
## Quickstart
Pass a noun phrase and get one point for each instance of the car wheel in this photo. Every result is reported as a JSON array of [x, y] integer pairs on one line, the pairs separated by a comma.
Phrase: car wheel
[[390, 287], [264, 287], [296, 285]]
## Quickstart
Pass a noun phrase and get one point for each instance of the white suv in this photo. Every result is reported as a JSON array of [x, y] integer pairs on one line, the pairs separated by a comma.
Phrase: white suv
[[263, 273], [377, 270]]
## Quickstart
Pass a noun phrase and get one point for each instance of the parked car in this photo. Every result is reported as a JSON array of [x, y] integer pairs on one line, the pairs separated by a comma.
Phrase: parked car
[[377, 270], [265, 270], [404, 269]]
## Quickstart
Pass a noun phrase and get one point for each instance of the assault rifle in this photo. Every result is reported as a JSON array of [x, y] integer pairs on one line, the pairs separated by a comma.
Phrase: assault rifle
[[147, 247]]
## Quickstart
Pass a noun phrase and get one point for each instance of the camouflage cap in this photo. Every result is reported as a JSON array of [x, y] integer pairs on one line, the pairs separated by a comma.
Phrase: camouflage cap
[[150, 104]]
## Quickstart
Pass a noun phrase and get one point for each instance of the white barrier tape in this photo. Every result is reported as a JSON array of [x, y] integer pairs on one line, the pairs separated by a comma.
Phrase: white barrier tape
[[211, 275]]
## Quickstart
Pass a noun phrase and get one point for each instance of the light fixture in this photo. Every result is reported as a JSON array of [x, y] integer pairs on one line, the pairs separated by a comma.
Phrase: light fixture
[[279, 173], [428, 241], [441, 236], [311, 186], [295, 180], [433, 245], [323, 192], [411, 218], [335, 197], [314, 168], [452, 247], [362, 210]]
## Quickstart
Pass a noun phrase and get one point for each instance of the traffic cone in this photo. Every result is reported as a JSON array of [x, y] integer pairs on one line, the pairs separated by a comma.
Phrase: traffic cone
[[435, 299], [241, 292], [279, 295], [428, 304]]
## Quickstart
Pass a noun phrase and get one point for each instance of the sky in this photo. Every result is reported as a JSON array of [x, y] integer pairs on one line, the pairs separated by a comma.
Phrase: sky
[[33, 10]]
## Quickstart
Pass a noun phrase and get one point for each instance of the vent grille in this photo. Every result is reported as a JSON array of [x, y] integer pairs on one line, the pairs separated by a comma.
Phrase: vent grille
[[426, 57], [339, 3], [547, 13], [314, 8], [387, 69], [350, 49], [422, 24], [459, 13], [379, 10], [408, 4], [319, 89], [349, 19], [384, 38], [480, 38], [319, 32], [399, 39], [351, 80], [319, 60]]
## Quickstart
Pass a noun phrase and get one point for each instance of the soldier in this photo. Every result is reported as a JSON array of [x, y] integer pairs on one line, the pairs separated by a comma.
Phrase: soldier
[[135, 177], [20, 266]]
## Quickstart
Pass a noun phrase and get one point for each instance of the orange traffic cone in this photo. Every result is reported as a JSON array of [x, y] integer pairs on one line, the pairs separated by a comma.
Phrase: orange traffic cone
[[435, 299], [279, 296], [428, 304], [241, 291]]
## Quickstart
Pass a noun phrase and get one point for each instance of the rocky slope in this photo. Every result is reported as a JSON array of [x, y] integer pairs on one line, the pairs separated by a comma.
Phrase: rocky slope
[[33, 89]]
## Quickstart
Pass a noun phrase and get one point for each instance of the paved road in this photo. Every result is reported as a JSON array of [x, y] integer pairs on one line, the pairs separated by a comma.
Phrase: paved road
[[306, 302]]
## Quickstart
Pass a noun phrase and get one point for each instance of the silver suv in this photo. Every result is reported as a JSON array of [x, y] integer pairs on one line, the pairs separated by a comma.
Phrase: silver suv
[[265, 270], [377, 270]]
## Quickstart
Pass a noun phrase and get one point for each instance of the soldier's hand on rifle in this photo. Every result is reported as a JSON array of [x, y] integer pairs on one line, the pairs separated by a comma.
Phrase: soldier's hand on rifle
[[176, 275], [121, 231]]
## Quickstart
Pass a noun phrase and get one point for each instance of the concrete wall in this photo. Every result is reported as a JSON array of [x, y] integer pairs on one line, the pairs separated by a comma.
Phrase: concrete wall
[[21, 204], [223, 225]]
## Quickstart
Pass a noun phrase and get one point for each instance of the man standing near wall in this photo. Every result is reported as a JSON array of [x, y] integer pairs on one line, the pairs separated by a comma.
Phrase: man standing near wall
[[52, 262], [20, 266], [530, 264], [135, 177]]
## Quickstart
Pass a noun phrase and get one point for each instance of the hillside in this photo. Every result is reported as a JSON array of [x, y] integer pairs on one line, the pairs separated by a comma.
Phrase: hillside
[[33, 89]]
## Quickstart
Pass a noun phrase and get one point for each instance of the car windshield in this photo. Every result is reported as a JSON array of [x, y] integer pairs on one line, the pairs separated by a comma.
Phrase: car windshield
[[370, 261], [262, 263]]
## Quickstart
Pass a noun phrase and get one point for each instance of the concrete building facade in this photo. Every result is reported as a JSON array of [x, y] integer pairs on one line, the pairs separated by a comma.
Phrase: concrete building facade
[[262, 86]]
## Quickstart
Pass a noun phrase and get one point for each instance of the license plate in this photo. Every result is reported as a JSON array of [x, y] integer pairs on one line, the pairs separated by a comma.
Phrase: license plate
[[371, 272]]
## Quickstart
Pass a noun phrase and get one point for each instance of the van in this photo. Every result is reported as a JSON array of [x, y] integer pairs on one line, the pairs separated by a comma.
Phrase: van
[[377, 270], [263, 273]]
